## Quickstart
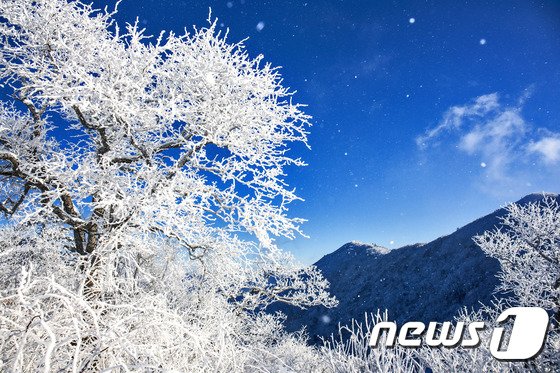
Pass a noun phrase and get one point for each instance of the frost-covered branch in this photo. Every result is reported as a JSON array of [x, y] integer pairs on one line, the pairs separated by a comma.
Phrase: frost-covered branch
[[528, 248]]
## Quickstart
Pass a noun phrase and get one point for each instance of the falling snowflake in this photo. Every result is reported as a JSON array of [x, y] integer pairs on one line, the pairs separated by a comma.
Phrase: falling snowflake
[[411, 20], [482, 164], [482, 41], [260, 26]]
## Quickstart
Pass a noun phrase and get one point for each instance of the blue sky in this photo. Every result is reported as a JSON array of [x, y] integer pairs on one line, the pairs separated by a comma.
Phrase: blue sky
[[427, 114]]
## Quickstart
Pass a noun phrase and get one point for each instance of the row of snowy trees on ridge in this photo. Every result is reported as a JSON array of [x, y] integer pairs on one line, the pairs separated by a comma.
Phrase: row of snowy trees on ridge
[[128, 166]]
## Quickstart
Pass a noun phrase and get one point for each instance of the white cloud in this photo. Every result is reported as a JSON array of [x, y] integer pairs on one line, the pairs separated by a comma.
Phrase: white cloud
[[454, 117], [471, 141], [548, 148], [497, 136]]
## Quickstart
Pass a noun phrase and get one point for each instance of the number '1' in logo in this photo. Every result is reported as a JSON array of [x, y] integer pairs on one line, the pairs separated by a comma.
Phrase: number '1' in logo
[[527, 335]]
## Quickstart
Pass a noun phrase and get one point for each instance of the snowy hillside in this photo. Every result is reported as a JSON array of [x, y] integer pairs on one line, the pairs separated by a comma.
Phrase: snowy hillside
[[422, 282]]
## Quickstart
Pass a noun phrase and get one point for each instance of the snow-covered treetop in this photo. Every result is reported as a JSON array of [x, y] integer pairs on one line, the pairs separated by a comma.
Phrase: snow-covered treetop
[[186, 117], [132, 143], [528, 248]]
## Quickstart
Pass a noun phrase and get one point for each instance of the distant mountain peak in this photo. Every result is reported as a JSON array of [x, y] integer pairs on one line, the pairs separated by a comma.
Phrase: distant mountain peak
[[355, 247], [358, 243], [420, 282], [534, 197]]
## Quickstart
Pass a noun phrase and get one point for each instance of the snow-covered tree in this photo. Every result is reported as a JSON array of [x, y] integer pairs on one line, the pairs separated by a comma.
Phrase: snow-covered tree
[[350, 350], [131, 169], [527, 245], [528, 248]]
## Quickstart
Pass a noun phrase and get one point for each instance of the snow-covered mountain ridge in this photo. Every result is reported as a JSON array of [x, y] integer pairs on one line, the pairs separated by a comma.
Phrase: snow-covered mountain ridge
[[421, 282]]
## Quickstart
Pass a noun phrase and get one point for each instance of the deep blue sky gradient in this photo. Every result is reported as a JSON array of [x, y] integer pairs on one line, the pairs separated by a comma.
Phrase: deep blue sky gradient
[[375, 81]]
